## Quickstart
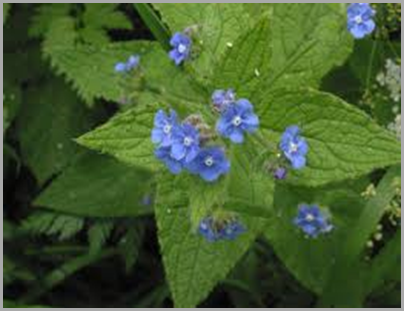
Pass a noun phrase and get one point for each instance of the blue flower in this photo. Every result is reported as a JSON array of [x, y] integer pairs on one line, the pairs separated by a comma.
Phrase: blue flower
[[164, 155], [130, 64], [207, 230], [280, 173], [294, 147], [214, 231], [210, 163], [232, 230], [181, 48], [163, 128], [221, 99], [360, 19], [312, 221], [185, 143], [237, 119]]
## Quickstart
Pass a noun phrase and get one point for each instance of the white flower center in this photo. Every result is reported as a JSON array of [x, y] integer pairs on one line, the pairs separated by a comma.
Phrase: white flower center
[[293, 147], [188, 141], [182, 48], [167, 129], [209, 161], [236, 121], [309, 217], [358, 19]]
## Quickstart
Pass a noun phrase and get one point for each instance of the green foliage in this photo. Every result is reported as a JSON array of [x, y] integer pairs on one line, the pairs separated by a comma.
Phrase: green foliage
[[217, 25], [98, 234], [98, 186], [130, 244], [48, 223], [67, 209], [51, 116], [344, 142], [193, 266], [135, 147]]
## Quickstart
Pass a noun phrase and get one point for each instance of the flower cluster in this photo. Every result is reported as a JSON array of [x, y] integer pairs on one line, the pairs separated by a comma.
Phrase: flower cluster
[[312, 221], [178, 146], [183, 146], [360, 20], [125, 67], [215, 230]]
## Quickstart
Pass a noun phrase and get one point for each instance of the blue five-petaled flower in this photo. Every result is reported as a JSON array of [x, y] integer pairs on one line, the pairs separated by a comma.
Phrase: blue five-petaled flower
[[181, 45], [360, 19], [236, 119], [185, 143], [213, 232], [294, 147], [312, 221], [210, 164], [163, 128], [130, 64]]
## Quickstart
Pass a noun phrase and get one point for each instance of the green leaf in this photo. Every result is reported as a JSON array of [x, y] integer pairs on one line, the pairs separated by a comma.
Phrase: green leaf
[[193, 266], [154, 23], [311, 260], [295, 46], [343, 141], [99, 233], [336, 291], [218, 24], [90, 68], [51, 117], [62, 226], [45, 15], [307, 41], [130, 244], [97, 186], [246, 60], [127, 137]]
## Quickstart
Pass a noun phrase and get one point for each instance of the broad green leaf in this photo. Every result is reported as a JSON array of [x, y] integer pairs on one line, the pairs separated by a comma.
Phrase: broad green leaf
[[126, 137], [295, 46], [343, 141], [50, 118], [193, 266], [311, 260], [307, 41], [244, 63], [218, 25], [90, 68], [249, 189], [97, 186]]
